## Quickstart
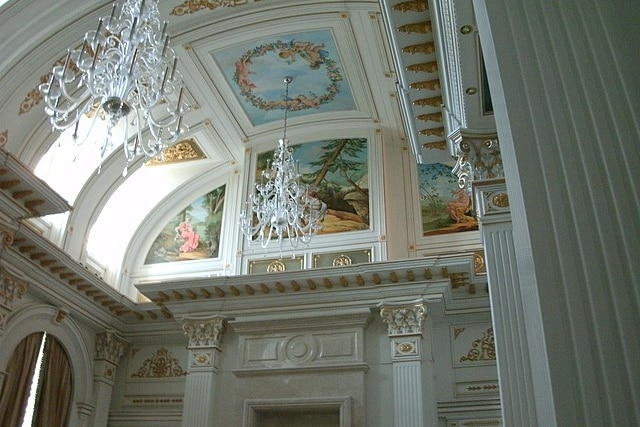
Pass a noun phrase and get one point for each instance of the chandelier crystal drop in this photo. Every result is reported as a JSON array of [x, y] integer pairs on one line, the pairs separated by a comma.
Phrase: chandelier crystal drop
[[281, 206], [123, 69]]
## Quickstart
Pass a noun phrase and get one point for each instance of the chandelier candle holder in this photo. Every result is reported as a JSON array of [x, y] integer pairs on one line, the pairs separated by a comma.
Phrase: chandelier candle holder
[[123, 68], [281, 207]]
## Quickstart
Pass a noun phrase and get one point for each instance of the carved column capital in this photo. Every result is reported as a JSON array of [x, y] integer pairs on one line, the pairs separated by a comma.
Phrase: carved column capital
[[109, 348], [478, 157], [204, 333], [403, 319], [11, 289]]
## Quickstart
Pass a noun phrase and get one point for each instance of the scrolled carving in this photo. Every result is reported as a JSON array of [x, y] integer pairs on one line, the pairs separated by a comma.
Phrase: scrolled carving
[[478, 159], [404, 319], [162, 364], [481, 349], [204, 333]]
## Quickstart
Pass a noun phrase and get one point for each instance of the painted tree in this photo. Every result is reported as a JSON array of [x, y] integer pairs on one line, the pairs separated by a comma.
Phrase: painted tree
[[341, 156]]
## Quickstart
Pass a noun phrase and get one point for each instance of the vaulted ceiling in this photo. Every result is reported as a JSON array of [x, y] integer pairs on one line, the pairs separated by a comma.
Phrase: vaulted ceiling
[[367, 67]]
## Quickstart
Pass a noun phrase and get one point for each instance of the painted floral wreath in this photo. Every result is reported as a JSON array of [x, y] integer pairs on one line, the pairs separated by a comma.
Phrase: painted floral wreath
[[290, 51]]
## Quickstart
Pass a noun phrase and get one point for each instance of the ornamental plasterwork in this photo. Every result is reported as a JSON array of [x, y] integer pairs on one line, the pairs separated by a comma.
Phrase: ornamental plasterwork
[[482, 348], [161, 365], [4, 137], [192, 6], [204, 333], [109, 347], [478, 159], [412, 6], [187, 149], [34, 96], [404, 319]]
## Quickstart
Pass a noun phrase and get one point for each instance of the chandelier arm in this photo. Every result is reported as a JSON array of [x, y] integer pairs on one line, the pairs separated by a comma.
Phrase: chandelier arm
[[126, 63]]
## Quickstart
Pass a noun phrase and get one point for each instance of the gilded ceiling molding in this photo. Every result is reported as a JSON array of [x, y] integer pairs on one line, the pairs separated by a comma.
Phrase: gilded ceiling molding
[[431, 117], [426, 85], [4, 137], [425, 67], [417, 27], [185, 150], [34, 97], [422, 48], [432, 132], [436, 145], [412, 6], [161, 365], [192, 6]]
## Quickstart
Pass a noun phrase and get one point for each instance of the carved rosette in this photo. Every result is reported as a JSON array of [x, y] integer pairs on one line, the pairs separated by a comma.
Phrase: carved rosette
[[478, 159], [204, 333], [405, 347], [492, 201], [403, 320]]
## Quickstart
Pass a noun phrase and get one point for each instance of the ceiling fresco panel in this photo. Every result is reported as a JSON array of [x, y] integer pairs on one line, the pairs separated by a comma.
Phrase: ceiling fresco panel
[[255, 72]]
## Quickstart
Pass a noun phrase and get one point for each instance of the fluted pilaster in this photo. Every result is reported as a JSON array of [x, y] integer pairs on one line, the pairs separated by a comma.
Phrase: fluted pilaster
[[513, 358], [109, 349], [205, 341], [404, 328]]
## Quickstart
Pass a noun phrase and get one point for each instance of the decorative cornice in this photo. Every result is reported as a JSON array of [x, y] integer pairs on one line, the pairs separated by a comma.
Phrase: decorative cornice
[[204, 333], [403, 319]]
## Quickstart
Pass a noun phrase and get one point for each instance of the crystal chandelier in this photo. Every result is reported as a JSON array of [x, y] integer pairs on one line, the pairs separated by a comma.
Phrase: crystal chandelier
[[281, 206], [125, 66]]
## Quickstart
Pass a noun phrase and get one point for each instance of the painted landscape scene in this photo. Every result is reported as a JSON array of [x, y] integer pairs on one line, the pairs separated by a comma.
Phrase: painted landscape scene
[[193, 233], [445, 207], [337, 171]]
